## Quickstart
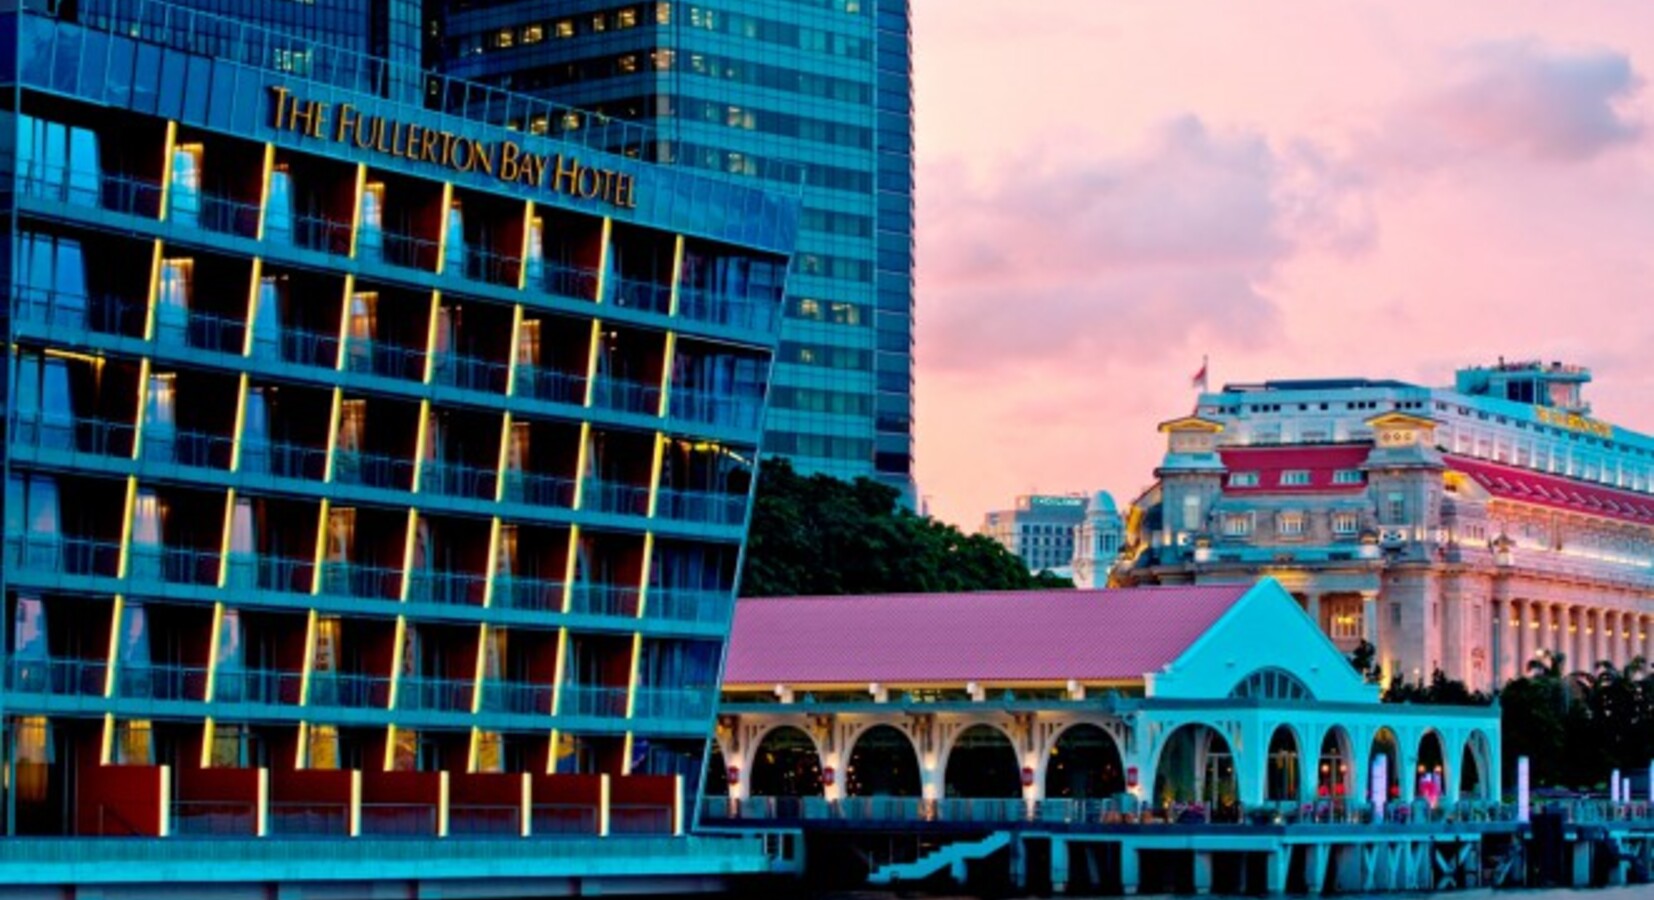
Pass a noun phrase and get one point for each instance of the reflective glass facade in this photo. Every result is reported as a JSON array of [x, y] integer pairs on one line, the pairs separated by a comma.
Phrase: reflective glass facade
[[370, 467], [810, 92]]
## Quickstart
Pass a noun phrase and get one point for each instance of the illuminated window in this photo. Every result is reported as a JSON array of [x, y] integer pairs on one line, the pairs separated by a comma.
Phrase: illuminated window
[[503, 38], [1295, 478], [1346, 625], [564, 28], [661, 59], [1345, 523], [1243, 479], [1237, 525], [1291, 524], [534, 34], [599, 23], [845, 314], [809, 309], [627, 63], [1347, 476], [663, 13], [627, 18], [539, 125]]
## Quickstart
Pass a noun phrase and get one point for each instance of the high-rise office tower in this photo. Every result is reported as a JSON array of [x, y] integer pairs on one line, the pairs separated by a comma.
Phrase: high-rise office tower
[[793, 92], [370, 467]]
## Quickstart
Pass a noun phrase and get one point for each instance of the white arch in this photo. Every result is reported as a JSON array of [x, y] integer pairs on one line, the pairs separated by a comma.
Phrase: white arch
[[947, 752], [750, 754]]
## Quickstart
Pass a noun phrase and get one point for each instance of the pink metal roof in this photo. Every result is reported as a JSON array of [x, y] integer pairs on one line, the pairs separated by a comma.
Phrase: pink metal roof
[[1320, 462], [987, 637], [1555, 492]]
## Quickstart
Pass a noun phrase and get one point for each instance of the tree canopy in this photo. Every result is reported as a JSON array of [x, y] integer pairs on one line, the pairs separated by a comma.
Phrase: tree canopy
[[817, 534]]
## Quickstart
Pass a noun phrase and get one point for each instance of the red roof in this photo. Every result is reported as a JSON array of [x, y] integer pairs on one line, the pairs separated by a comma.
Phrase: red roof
[[1270, 462], [1523, 486], [989, 637]]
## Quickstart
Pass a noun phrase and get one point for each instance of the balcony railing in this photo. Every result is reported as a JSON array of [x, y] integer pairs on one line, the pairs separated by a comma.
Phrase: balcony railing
[[688, 605], [710, 507], [309, 819], [626, 396], [370, 357], [116, 193], [457, 480], [516, 697], [612, 497], [434, 694], [343, 579], [539, 490], [214, 818], [373, 470], [228, 215], [576, 282], [563, 818], [408, 251], [470, 373], [195, 449], [720, 309], [74, 312], [484, 820], [173, 565], [161, 682], [350, 691], [307, 348], [673, 703], [322, 234], [529, 594], [269, 573], [446, 588], [490, 267], [604, 600], [715, 409], [550, 385], [398, 819], [264, 687], [62, 432], [284, 460], [641, 295], [200, 330], [590, 700], [57, 677], [56, 555]]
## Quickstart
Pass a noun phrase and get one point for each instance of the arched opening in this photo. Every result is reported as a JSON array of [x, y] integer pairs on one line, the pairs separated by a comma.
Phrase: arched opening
[[1473, 783], [1333, 777], [882, 764], [1084, 764], [1196, 766], [1283, 772], [1430, 775], [717, 774], [1386, 746], [982, 764], [786, 765]]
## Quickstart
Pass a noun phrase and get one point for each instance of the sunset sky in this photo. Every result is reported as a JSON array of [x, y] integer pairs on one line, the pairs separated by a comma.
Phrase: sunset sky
[[1110, 190]]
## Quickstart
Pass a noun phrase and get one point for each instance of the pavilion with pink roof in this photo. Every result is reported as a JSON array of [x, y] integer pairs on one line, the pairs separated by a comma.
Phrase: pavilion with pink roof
[[1072, 702]]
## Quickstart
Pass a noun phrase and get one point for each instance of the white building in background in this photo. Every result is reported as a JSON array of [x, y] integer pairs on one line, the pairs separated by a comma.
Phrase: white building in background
[[1040, 529]]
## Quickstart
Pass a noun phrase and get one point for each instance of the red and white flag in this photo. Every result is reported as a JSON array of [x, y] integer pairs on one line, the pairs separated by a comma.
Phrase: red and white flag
[[1199, 381]]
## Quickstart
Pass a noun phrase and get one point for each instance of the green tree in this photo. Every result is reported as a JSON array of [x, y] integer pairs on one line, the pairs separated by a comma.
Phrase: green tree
[[816, 534]]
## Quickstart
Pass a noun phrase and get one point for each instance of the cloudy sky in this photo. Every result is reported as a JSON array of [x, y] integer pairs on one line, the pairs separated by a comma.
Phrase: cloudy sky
[[1111, 190]]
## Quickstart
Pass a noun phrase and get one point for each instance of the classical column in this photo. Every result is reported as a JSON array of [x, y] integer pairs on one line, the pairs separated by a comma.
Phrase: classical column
[[1576, 637], [1522, 615], [1647, 638], [1312, 606]]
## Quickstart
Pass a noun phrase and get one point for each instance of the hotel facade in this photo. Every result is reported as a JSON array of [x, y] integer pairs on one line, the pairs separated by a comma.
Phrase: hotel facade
[[1471, 529], [372, 466]]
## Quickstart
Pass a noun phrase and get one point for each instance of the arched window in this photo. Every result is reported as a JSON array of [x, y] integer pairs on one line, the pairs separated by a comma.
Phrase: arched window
[[1272, 684]]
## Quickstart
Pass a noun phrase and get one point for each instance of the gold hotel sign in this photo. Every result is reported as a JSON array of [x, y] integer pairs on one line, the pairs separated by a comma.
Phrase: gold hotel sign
[[505, 160], [1573, 422]]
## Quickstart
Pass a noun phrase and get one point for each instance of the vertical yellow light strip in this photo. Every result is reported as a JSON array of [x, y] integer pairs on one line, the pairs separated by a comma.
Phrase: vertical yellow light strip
[[677, 273], [143, 401], [504, 457], [252, 305], [569, 567], [308, 665], [106, 752], [655, 470], [321, 549], [477, 682], [442, 226], [356, 206], [603, 805], [301, 753], [206, 741], [155, 263], [474, 750], [216, 635], [626, 746], [264, 188], [632, 684], [240, 423], [344, 321], [166, 166], [126, 526], [116, 612], [648, 559], [408, 551], [491, 566], [580, 462], [591, 359], [430, 336], [558, 671], [603, 260], [224, 538], [668, 359], [396, 676], [528, 228], [511, 355], [333, 434], [389, 762]]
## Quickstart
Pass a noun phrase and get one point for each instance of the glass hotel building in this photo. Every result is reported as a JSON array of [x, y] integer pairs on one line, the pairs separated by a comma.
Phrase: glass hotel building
[[372, 466], [811, 92]]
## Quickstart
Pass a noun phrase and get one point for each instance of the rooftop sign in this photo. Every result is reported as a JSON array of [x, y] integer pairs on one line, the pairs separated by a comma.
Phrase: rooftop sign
[[504, 160], [1573, 422]]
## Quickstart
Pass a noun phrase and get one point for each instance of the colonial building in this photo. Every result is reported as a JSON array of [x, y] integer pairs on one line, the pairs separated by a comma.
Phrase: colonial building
[[1470, 529]]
